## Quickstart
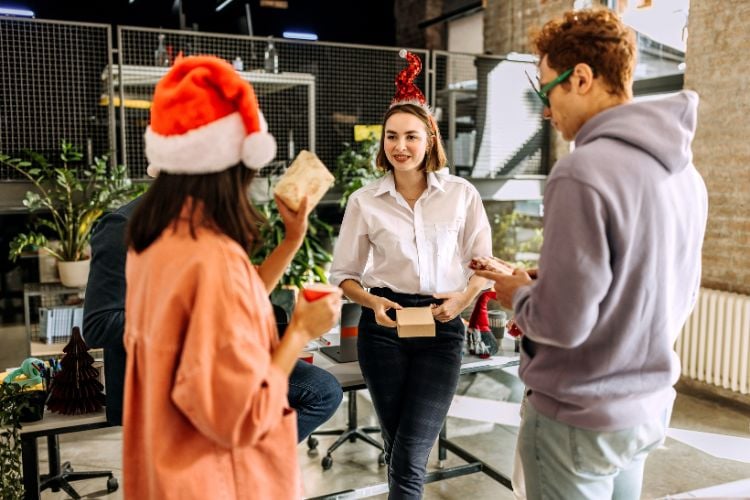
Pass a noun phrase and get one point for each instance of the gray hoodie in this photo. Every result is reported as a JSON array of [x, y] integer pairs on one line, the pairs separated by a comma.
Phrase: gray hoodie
[[625, 215]]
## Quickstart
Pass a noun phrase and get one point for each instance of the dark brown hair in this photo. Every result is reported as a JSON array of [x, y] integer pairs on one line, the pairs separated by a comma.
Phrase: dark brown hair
[[434, 158], [222, 197], [596, 37]]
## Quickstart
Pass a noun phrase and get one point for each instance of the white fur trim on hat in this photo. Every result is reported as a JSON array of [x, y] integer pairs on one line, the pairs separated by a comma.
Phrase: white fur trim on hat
[[259, 148], [204, 150]]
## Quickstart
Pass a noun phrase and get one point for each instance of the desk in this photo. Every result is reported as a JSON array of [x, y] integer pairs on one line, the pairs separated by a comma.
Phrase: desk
[[51, 426], [350, 378]]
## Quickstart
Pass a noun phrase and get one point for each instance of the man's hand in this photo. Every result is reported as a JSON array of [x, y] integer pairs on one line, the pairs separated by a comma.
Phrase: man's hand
[[295, 223], [492, 264], [452, 305], [380, 306], [505, 286]]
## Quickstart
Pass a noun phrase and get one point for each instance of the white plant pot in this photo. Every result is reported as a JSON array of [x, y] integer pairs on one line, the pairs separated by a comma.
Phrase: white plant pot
[[74, 274]]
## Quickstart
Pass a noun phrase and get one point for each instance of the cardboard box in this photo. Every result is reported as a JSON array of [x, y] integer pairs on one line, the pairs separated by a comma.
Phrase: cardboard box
[[305, 176], [415, 322]]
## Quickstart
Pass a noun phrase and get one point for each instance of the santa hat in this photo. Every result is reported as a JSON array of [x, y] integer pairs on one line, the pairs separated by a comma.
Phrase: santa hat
[[406, 91], [205, 119]]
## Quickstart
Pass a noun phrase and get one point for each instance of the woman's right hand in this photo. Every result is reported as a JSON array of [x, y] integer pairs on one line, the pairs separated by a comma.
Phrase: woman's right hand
[[315, 318], [380, 306]]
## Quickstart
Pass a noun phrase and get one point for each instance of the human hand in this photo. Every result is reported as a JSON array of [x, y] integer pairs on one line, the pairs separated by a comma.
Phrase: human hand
[[505, 286], [380, 306], [317, 317], [491, 264], [453, 304], [295, 223]]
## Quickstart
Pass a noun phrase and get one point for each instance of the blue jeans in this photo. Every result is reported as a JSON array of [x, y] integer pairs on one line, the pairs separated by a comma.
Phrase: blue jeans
[[565, 462], [412, 382], [315, 394]]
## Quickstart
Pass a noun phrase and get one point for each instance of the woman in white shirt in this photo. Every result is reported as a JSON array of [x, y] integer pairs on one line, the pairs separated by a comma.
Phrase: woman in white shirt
[[406, 241]]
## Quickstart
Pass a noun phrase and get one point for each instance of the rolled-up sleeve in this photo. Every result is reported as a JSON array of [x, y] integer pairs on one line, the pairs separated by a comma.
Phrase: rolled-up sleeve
[[225, 383], [476, 240], [352, 247]]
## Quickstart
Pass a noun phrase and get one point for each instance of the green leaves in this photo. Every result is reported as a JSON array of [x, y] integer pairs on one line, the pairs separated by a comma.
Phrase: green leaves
[[69, 197], [355, 166], [310, 260], [12, 403]]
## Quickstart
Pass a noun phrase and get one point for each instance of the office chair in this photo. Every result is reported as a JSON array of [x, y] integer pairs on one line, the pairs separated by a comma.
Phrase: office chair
[[59, 476], [350, 313], [351, 434]]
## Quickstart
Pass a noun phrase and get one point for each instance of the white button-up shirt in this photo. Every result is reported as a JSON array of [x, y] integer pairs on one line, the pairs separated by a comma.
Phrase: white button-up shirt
[[384, 243]]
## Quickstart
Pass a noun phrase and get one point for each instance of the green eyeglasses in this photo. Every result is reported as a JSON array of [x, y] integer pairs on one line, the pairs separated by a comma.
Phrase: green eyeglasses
[[544, 91]]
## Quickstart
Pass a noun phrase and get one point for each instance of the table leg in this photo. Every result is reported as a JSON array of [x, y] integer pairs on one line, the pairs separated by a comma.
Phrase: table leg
[[30, 457], [442, 451]]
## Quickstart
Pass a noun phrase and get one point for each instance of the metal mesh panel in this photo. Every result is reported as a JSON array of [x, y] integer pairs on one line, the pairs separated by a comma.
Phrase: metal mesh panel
[[490, 119], [50, 88], [320, 93]]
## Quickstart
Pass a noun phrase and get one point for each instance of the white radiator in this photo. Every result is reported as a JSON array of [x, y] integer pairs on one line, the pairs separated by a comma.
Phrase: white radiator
[[714, 345]]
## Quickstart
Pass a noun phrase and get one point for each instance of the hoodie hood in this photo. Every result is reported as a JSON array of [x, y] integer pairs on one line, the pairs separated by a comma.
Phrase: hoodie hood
[[650, 126]]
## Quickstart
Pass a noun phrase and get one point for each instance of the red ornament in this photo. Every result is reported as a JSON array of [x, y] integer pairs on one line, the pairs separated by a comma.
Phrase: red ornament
[[406, 91]]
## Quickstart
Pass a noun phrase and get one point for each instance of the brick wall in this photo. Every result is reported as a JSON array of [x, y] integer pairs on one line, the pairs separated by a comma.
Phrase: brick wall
[[507, 22], [408, 15], [718, 68]]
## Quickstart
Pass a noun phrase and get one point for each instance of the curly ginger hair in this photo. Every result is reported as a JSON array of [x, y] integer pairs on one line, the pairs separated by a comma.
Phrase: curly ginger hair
[[597, 37]]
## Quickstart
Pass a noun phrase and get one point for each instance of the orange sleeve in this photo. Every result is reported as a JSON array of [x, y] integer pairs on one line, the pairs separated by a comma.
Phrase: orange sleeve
[[225, 383]]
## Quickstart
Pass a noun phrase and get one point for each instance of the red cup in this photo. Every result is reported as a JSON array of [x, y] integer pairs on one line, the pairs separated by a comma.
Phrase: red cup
[[317, 290], [307, 357]]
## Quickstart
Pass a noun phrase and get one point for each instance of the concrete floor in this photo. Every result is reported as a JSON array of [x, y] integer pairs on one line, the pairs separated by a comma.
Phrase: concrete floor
[[674, 468]]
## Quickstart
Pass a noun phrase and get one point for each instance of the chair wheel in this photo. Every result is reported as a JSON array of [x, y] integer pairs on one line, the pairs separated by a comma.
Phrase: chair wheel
[[312, 443], [381, 459], [327, 462], [112, 484]]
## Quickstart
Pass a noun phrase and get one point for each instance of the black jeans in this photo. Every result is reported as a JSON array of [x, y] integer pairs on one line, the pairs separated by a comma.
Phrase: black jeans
[[412, 382]]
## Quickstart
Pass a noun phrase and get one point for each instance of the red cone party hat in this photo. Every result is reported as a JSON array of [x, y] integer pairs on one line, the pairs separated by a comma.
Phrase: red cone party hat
[[205, 119], [406, 91]]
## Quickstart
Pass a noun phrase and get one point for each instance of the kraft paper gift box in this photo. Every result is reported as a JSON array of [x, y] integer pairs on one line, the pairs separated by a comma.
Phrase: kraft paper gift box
[[415, 322], [305, 176]]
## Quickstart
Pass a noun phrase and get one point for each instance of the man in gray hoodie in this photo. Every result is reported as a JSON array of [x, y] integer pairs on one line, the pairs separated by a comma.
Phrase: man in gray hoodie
[[620, 267]]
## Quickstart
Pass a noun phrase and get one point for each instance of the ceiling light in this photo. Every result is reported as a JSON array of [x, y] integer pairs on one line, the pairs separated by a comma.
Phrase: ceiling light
[[296, 35], [5, 11], [222, 5]]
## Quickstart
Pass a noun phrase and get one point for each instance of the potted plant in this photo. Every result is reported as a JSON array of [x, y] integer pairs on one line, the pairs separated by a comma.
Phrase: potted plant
[[69, 197], [13, 403], [355, 166], [309, 263]]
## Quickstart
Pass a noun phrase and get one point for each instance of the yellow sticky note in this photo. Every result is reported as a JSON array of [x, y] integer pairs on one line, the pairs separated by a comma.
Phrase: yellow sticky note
[[363, 132]]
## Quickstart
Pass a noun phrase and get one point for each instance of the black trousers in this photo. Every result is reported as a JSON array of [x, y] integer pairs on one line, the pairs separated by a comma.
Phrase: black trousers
[[412, 382]]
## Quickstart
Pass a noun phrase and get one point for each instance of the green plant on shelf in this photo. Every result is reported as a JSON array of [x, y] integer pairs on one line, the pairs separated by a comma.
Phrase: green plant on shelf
[[355, 166], [69, 196]]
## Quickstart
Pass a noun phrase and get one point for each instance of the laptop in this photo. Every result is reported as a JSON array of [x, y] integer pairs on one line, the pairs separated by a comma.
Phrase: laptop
[[346, 351]]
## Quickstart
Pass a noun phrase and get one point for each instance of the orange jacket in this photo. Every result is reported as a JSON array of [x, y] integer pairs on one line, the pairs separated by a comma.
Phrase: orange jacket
[[205, 413]]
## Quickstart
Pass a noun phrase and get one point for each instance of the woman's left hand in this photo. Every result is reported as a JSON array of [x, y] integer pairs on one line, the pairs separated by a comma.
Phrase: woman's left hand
[[295, 223], [453, 304]]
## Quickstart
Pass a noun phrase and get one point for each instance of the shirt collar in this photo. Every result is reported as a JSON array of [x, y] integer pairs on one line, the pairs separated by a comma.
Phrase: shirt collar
[[388, 184]]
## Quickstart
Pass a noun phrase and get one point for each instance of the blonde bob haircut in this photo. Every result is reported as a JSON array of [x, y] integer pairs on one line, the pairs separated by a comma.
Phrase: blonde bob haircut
[[434, 158]]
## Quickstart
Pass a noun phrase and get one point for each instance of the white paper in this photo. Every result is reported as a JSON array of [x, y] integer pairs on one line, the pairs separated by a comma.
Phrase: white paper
[[718, 445], [485, 410]]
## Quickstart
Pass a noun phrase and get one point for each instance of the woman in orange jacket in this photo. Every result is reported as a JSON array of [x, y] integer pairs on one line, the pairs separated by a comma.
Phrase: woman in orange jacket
[[206, 411]]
